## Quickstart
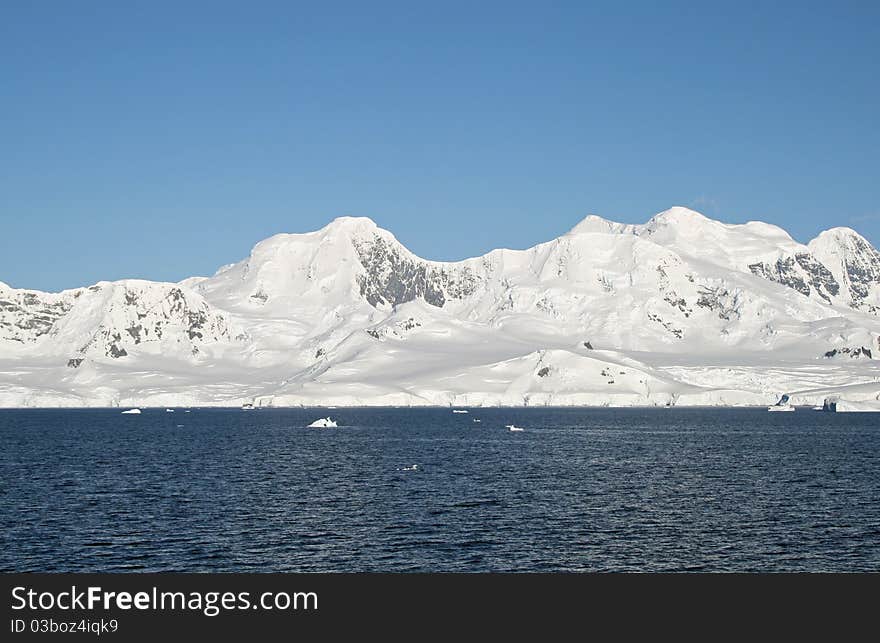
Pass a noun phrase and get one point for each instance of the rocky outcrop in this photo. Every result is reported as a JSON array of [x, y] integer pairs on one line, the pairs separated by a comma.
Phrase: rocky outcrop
[[151, 317], [855, 264], [801, 272], [25, 316], [721, 301], [393, 278], [856, 353]]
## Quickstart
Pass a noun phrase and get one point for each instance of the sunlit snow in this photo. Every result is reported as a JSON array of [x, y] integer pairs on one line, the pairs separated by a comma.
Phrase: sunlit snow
[[682, 310]]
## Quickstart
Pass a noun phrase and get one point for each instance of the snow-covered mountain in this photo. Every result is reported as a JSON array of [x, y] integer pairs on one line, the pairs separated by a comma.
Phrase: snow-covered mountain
[[679, 310]]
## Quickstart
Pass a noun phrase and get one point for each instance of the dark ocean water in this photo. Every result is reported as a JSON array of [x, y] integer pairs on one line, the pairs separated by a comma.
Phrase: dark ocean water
[[579, 490]]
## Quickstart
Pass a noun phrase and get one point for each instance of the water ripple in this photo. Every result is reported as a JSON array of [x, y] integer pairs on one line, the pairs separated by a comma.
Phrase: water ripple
[[581, 490]]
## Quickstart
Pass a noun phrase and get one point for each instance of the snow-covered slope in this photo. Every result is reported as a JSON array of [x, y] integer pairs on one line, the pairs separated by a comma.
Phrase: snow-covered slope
[[679, 310]]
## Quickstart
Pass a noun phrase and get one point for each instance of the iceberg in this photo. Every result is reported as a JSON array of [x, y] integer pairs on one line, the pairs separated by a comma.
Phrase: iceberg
[[322, 423]]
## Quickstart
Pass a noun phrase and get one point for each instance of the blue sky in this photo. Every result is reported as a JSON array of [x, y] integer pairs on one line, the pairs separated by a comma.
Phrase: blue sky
[[161, 140]]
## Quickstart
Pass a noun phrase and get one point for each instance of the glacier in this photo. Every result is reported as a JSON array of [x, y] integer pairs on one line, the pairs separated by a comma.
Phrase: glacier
[[680, 310]]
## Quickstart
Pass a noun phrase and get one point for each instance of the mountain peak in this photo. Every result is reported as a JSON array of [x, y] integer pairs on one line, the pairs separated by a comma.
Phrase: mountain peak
[[839, 233], [675, 216], [351, 224], [679, 215], [595, 223], [840, 240]]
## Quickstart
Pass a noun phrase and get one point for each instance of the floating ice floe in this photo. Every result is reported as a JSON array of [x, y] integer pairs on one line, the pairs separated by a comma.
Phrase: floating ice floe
[[460, 411], [131, 412], [413, 467], [322, 423], [513, 427], [169, 410]]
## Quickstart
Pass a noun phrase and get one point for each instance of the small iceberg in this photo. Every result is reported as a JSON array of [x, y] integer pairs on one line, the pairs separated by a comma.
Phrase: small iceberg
[[414, 467], [477, 420], [460, 411], [169, 410], [322, 423], [132, 412], [247, 406], [513, 427], [782, 405]]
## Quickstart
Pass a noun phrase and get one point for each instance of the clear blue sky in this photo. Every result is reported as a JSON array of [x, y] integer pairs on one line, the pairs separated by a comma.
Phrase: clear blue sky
[[163, 139]]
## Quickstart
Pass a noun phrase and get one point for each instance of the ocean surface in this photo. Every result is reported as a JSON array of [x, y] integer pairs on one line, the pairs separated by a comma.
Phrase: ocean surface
[[578, 490]]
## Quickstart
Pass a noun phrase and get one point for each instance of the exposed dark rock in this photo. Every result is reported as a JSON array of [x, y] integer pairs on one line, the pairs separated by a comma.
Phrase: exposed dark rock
[[814, 276], [544, 372], [24, 317], [819, 276], [670, 296], [856, 353], [75, 362], [176, 296], [782, 272], [862, 271], [393, 278], [197, 319], [679, 303], [135, 332], [154, 319], [720, 300], [116, 352], [676, 332]]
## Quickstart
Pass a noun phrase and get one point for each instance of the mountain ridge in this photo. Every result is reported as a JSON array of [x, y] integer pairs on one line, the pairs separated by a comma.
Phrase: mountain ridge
[[346, 314]]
